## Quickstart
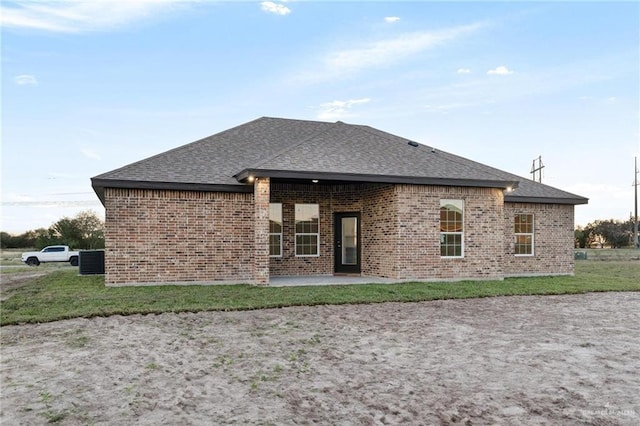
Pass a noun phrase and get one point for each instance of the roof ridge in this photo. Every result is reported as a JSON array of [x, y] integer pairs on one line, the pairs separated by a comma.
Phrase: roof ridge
[[371, 130], [295, 145], [297, 119]]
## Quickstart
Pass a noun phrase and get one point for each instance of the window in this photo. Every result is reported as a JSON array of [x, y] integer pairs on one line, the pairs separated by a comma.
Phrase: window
[[307, 230], [275, 229], [54, 249], [451, 228], [524, 234]]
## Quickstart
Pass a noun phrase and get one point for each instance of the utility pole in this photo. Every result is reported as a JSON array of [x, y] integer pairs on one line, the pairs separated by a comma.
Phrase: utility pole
[[636, 244], [537, 168]]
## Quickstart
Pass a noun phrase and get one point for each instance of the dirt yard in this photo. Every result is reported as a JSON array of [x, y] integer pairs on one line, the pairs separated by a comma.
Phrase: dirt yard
[[507, 360]]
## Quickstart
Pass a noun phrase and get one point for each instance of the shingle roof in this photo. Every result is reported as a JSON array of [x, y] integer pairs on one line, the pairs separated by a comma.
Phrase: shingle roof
[[297, 149]]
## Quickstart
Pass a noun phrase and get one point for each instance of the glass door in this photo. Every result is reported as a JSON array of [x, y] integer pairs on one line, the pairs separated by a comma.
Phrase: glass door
[[347, 242]]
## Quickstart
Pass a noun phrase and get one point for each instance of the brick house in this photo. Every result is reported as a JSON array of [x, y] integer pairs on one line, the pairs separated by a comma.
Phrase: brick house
[[281, 197]]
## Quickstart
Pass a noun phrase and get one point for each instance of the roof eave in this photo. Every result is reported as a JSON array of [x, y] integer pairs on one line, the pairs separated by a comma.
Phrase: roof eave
[[545, 200], [100, 184], [246, 174]]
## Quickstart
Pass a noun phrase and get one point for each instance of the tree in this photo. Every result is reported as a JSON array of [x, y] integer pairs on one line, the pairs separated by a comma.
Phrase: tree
[[84, 231], [66, 232], [43, 238], [27, 239], [583, 236], [91, 230], [614, 233], [7, 240]]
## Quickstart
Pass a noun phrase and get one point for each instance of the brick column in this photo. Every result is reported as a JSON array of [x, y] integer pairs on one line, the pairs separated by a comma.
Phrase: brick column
[[261, 194]]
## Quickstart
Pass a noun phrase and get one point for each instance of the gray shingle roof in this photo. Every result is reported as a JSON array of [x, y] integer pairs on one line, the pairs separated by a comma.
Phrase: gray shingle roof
[[297, 149]]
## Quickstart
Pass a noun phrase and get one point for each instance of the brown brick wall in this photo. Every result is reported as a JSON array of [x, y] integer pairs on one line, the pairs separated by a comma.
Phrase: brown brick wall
[[178, 236], [260, 251], [419, 233], [553, 240], [380, 232], [182, 236]]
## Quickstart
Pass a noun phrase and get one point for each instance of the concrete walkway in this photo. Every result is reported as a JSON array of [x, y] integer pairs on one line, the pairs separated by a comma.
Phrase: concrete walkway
[[308, 280]]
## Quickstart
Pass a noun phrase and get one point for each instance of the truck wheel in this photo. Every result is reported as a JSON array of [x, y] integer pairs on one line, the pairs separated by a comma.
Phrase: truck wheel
[[33, 261], [74, 261]]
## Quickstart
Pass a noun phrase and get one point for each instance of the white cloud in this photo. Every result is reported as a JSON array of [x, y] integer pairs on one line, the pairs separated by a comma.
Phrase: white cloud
[[12, 197], [501, 70], [379, 53], [74, 16], [485, 92], [391, 19], [445, 108], [90, 154], [278, 9], [26, 80], [463, 71], [58, 175], [338, 109], [608, 100]]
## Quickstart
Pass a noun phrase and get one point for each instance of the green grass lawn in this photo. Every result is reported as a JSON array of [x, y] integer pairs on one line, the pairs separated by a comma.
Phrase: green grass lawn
[[64, 294]]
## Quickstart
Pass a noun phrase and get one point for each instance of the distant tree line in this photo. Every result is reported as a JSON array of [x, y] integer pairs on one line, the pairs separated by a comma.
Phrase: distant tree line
[[605, 233], [84, 231]]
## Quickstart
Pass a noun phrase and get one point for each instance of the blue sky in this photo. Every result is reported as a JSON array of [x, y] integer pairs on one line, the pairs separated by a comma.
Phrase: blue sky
[[91, 86]]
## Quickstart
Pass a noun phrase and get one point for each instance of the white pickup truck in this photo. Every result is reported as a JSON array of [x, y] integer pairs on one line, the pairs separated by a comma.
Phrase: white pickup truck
[[51, 254]]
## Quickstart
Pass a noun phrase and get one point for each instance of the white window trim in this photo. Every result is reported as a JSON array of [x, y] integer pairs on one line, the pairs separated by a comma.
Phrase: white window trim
[[295, 234], [532, 234], [317, 245], [277, 233], [455, 233], [280, 234], [461, 245]]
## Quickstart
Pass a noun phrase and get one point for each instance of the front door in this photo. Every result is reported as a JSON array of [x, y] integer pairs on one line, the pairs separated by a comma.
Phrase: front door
[[347, 242]]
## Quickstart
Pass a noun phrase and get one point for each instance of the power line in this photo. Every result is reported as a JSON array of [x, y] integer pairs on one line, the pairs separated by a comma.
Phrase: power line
[[50, 203], [537, 168]]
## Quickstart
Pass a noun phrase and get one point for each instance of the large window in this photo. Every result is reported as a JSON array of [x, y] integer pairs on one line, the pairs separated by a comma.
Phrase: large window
[[451, 228], [275, 229], [307, 230], [524, 234]]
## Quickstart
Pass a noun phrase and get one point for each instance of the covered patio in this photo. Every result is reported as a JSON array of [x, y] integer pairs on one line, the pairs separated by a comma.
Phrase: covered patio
[[313, 280]]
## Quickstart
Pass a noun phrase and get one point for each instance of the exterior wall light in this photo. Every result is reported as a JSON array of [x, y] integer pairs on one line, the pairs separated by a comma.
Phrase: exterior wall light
[[314, 180], [251, 178]]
